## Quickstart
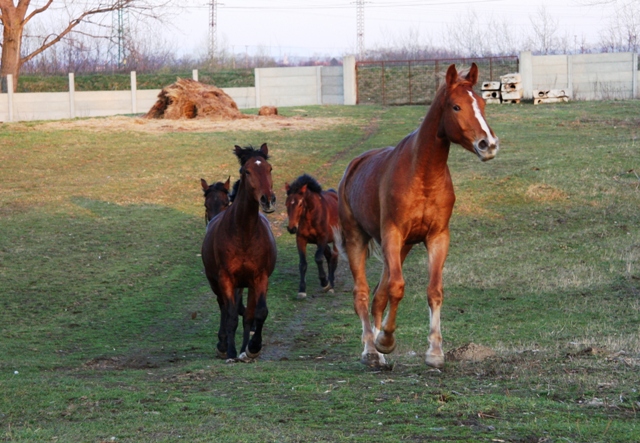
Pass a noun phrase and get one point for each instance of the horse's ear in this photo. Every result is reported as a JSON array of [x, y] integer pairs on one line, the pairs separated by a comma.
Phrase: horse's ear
[[204, 184], [227, 184], [237, 150], [264, 149], [452, 75], [287, 187], [472, 76]]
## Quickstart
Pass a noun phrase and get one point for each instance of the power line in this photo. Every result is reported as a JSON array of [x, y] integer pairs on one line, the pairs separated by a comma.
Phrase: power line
[[213, 21]]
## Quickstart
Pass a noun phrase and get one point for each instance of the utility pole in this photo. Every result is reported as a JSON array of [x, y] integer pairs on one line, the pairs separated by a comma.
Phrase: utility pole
[[360, 28], [213, 23], [120, 34]]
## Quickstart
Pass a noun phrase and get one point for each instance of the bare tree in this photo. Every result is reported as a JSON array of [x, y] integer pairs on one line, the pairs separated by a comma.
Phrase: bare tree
[[545, 32], [15, 16], [623, 31]]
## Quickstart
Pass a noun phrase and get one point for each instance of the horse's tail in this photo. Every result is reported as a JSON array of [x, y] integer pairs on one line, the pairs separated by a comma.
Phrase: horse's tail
[[339, 241], [373, 248]]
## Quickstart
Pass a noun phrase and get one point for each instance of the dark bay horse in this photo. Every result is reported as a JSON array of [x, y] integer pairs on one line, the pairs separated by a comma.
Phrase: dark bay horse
[[313, 215], [239, 251], [403, 195], [216, 198]]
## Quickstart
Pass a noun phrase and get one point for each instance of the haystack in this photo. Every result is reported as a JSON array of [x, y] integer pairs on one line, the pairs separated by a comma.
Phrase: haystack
[[188, 98]]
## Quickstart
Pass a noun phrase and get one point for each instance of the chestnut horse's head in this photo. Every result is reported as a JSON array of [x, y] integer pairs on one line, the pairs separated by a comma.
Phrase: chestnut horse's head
[[216, 198], [255, 175], [297, 194], [463, 120]]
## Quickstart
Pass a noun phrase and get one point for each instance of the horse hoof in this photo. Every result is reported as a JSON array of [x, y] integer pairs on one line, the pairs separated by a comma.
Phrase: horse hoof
[[373, 360], [250, 354], [328, 288], [246, 357], [221, 354], [231, 360], [302, 295], [385, 343], [435, 361]]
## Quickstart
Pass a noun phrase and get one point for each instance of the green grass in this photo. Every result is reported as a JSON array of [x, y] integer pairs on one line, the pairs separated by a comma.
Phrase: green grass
[[101, 280], [122, 82]]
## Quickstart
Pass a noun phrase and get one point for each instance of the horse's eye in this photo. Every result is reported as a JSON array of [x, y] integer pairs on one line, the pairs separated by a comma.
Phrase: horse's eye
[[456, 108]]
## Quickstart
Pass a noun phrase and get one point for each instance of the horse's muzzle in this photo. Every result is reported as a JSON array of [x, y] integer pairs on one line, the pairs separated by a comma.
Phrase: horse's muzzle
[[268, 205], [292, 230], [485, 150]]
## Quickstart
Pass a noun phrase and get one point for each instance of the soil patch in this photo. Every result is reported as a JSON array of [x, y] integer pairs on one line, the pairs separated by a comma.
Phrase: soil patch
[[470, 352]]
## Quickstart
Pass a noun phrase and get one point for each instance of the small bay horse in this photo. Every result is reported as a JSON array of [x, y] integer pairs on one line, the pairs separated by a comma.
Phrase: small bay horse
[[239, 251], [403, 195], [216, 198], [313, 215]]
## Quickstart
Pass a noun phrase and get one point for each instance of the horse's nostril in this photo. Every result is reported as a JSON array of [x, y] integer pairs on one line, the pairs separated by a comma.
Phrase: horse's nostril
[[263, 200], [483, 145]]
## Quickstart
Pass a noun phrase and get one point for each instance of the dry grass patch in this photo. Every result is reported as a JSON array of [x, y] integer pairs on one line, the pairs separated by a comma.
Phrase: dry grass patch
[[151, 126], [545, 193]]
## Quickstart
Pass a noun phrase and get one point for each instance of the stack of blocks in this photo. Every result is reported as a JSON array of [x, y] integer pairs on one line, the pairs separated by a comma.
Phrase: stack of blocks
[[550, 96], [507, 90], [491, 92], [511, 89]]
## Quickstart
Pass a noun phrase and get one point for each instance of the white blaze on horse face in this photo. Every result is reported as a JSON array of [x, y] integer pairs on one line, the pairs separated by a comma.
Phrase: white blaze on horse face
[[483, 123], [258, 162]]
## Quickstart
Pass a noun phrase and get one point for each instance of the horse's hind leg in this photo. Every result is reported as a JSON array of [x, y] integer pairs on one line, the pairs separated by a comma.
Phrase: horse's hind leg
[[331, 254], [319, 258], [301, 243], [389, 292]]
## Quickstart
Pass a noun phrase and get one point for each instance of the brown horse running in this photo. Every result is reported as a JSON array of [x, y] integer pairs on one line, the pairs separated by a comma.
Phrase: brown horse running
[[239, 251], [216, 198], [401, 196], [313, 214]]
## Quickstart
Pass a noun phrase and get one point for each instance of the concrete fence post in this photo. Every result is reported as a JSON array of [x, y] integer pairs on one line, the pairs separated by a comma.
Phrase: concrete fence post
[[10, 95], [570, 76], [72, 92], [635, 93], [194, 74], [319, 84], [526, 73], [349, 81], [256, 75], [134, 93]]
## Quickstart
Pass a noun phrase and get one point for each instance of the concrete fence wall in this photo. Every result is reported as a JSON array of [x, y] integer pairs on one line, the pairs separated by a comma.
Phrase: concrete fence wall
[[586, 76]]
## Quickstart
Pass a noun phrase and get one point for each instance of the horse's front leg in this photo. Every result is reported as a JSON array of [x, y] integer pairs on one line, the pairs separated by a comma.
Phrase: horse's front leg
[[256, 312], [438, 248], [229, 310], [301, 243], [390, 290], [319, 258]]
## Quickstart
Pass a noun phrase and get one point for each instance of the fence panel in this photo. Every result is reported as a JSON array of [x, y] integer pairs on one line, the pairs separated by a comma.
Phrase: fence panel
[[414, 82]]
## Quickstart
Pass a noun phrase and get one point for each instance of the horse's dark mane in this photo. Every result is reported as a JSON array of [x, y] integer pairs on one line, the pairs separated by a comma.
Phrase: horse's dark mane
[[304, 179], [234, 191], [219, 186], [244, 154]]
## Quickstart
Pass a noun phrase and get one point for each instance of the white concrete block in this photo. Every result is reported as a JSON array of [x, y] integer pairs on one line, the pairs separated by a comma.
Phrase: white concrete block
[[511, 78], [486, 95], [490, 86], [513, 95]]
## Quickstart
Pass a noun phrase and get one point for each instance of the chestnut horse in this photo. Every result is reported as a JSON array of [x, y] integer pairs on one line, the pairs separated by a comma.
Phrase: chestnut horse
[[216, 198], [313, 214], [401, 196], [239, 251]]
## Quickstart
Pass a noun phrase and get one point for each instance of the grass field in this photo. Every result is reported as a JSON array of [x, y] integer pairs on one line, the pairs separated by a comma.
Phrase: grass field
[[108, 327]]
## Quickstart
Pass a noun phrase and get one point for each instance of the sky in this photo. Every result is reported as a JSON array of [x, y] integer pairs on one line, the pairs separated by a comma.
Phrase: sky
[[328, 27]]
